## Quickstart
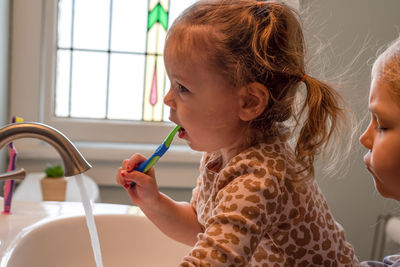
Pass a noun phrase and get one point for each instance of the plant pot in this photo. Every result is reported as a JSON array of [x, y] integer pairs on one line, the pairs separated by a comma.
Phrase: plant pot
[[54, 188]]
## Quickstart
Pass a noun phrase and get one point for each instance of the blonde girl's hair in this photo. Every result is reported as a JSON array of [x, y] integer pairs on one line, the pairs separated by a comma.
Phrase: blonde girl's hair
[[387, 67], [249, 41]]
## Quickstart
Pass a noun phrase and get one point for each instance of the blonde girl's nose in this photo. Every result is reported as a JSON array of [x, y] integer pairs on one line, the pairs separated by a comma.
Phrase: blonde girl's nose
[[366, 139]]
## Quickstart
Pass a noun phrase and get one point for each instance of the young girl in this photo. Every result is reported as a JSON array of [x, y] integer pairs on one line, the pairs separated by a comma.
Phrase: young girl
[[382, 137], [235, 67]]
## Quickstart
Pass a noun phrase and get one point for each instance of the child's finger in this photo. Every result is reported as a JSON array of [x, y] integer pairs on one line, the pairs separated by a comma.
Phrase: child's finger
[[134, 161], [119, 178], [139, 178], [125, 163]]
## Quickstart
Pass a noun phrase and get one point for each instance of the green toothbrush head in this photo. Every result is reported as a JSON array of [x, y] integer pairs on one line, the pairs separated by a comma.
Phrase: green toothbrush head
[[171, 136]]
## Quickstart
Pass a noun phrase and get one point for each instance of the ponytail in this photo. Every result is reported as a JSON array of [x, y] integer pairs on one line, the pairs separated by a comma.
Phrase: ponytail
[[324, 119]]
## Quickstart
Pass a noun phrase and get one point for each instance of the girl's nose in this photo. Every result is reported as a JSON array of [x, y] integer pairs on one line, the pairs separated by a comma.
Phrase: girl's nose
[[169, 99], [366, 139]]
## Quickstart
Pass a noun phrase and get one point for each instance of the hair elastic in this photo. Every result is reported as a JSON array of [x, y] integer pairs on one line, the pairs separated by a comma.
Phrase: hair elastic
[[304, 77], [259, 3]]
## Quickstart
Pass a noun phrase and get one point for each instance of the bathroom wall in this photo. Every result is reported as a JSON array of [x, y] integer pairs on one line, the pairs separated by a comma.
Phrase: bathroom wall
[[351, 32], [4, 41]]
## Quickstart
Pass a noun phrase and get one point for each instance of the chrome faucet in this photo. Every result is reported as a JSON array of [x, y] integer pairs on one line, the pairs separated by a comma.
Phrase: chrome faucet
[[74, 162]]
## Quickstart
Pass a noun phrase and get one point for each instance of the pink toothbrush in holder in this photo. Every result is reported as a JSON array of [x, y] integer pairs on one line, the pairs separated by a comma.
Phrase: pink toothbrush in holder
[[9, 184]]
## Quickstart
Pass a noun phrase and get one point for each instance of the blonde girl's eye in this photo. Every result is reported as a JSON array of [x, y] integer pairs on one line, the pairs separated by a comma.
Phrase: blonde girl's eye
[[380, 128]]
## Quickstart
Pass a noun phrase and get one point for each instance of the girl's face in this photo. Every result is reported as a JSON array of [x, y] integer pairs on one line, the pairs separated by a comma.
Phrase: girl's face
[[382, 138], [203, 103]]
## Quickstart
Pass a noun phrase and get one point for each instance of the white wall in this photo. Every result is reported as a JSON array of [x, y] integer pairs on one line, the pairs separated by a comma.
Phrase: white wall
[[4, 40], [348, 26]]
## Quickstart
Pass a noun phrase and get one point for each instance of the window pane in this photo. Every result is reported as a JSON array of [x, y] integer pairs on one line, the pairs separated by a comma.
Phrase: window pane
[[91, 24], [89, 84], [62, 92], [126, 87], [129, 25], [64, 23]]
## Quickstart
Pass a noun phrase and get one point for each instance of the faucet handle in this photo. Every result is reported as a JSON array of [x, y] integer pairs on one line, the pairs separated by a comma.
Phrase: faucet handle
[[14, 175]]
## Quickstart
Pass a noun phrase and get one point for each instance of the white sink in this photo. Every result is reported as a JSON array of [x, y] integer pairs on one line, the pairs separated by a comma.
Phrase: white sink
[[125, 240]]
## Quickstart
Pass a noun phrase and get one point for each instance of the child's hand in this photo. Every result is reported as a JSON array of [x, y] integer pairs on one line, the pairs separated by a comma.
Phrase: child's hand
[[145, 191]]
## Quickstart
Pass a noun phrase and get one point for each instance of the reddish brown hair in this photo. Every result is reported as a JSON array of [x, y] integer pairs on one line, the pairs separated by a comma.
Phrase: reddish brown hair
[[248, 42]]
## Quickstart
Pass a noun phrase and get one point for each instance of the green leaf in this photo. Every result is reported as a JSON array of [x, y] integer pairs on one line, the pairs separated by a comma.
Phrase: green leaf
[[54, 171]]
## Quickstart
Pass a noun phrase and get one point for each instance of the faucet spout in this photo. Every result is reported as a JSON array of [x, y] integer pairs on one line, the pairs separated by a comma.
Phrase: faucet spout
[[14, 175], [74, 162]]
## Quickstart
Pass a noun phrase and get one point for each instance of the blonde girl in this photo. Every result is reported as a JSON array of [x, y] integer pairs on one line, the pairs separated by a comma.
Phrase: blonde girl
[[382, 137]]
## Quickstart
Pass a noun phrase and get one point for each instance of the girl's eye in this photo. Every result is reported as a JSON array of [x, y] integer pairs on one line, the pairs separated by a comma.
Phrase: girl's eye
[[182, 89], [380, 128]]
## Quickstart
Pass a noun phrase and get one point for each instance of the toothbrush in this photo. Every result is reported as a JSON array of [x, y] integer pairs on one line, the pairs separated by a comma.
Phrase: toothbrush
[[9, 184], [146, 165]]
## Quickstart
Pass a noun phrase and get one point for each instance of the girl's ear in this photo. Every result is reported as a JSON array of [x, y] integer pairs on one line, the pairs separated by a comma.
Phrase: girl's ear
[[253, 99]]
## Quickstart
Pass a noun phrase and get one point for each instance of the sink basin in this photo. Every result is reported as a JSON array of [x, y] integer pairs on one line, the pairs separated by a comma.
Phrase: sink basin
[[125, 240]]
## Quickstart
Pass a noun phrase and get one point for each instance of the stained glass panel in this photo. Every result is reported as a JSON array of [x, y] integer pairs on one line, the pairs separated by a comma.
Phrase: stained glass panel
[[154, 87]]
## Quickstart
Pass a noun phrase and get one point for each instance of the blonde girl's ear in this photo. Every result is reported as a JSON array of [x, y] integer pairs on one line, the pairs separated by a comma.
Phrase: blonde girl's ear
[[253, 99]]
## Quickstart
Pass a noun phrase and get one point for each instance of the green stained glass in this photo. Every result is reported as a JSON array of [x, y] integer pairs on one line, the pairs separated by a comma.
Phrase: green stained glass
[[158, 14], [154, 87]]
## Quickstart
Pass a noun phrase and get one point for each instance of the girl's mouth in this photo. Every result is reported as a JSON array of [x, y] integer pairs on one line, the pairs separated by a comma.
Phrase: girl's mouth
[[369, 169], [181, 132]]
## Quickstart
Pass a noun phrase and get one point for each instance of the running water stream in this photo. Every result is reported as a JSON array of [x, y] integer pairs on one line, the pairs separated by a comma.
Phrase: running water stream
[[90, 220]]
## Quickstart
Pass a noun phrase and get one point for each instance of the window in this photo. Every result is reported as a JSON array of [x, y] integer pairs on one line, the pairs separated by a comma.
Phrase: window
[[38, 58], [104, 85], [114, 59]]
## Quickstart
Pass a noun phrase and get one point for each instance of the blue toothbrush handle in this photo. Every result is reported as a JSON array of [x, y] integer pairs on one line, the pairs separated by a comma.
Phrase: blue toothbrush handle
[[146, 165], [142, 166]]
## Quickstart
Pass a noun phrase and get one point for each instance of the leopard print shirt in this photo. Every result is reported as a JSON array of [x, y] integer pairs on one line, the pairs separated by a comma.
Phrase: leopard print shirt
[[253, 215]]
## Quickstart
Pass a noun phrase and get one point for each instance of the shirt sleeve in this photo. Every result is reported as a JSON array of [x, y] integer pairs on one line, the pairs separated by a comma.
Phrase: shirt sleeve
[[388, 261], [238, 223]]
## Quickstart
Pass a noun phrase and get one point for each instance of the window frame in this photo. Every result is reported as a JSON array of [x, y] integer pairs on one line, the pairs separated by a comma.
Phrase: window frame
[[144, 132]]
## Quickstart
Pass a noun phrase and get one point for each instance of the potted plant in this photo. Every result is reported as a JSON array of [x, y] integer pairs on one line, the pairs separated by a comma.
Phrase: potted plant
[[54, 184]]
